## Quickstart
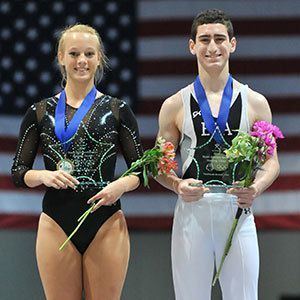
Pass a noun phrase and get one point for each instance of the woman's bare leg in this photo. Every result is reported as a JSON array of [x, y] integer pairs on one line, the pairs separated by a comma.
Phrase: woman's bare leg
[[105, 262], [60, 271]]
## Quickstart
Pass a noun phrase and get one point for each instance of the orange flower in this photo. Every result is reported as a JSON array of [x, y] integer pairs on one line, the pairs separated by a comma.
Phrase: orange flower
[[166, 164]]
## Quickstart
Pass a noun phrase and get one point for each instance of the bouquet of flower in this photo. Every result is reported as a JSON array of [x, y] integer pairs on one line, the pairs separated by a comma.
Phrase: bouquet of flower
[[246, 156], [158, 160]]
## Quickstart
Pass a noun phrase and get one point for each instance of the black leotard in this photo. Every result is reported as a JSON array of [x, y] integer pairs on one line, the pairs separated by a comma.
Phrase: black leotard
[[108, 126]]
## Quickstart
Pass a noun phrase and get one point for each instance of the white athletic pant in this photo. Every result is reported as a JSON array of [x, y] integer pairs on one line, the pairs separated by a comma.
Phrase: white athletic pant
[[200, 230]]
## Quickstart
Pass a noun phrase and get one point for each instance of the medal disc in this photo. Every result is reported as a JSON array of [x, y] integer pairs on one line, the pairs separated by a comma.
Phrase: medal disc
[[65, 165]]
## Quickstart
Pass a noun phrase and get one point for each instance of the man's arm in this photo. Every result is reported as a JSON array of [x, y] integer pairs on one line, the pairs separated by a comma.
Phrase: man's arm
[[259, 110], [170, 121], [168, 129]]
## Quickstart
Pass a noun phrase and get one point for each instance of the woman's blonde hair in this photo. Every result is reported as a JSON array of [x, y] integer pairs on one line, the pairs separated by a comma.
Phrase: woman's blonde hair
[[85, 29]]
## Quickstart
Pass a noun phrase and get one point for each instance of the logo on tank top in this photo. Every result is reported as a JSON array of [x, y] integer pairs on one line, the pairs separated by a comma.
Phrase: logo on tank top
[[206, 133], [196, 113]]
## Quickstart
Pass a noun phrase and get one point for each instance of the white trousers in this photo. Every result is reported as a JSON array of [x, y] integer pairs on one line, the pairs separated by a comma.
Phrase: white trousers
[[200, 230]]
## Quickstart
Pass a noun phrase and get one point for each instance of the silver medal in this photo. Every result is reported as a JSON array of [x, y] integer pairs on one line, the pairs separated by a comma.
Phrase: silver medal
[[65, 165]]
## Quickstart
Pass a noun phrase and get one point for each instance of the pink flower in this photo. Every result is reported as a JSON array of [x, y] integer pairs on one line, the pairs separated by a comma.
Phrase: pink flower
[[277, 132], [268, 133]]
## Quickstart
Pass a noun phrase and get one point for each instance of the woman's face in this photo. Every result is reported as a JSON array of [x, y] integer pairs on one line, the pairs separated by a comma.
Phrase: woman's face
[[80, 56]]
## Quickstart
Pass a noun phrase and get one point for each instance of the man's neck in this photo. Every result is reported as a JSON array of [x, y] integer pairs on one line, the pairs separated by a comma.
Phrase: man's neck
[[76, 92], [213, 82]]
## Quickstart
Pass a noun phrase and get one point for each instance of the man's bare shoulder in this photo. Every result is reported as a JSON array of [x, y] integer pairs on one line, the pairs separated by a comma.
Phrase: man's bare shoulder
[[256, 98], [172, 104], [259, 106], [253, 96]]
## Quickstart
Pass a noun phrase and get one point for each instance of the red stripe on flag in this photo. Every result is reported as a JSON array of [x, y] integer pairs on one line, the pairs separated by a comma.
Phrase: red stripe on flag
[[8, 144], [18, 221], [289, 222], [155, 28]]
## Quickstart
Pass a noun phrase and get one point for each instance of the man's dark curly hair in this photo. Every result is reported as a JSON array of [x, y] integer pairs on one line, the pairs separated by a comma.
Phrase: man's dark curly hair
[[211, 16]]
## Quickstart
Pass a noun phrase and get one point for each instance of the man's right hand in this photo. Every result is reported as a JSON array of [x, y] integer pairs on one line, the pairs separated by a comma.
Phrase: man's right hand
[[191, 189]]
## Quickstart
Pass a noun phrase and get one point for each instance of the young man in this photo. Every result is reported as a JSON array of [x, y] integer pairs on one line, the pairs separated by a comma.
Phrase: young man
[[202, 119]]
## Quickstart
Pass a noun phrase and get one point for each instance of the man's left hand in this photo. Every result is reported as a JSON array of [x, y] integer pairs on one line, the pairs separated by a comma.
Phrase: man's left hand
[[245, 196]]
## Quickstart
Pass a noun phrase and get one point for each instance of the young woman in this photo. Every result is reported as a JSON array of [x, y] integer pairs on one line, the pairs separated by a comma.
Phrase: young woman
[[80, 132]]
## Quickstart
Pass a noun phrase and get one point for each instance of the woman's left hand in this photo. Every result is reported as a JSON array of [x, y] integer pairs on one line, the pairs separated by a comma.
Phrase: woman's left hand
[[109, 195], [245, 196]]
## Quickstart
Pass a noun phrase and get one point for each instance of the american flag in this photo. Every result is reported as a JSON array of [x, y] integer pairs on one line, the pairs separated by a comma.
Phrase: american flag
[[159, 64]]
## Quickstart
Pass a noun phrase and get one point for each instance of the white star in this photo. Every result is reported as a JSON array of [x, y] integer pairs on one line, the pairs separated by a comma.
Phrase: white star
[[58, 7], [45, 77], [5, 33], [84, 7], [32, 33], [113, 88], [125, 74], [6, 62], [31, 7], [46, 47], [19, 47], [112, 7], [18, 76], [112, 33], [31, 64], [44, 20], [125, 20], [114, 62], [20, 24], [98, 20], [31, 90], [5, 7], [71, 20], [125, 46], [6, 88]]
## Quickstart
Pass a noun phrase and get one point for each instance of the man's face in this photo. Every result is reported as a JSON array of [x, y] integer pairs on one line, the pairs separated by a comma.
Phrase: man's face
[[212, 46]]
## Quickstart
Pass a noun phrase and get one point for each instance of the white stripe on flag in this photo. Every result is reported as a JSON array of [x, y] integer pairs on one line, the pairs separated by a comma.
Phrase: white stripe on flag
[[247, 47], [153, 10], [165, 86]]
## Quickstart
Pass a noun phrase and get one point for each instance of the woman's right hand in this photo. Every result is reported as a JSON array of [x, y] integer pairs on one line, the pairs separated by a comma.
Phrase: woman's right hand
[[58, 179]]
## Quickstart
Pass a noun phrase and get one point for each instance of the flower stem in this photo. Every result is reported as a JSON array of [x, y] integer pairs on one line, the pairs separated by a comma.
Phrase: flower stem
[[80, 220], [226, 250]]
